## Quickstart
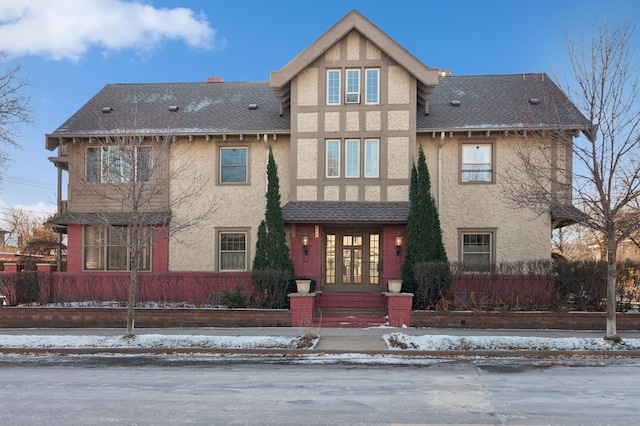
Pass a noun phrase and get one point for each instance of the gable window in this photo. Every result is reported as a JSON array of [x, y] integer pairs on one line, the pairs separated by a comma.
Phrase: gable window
[[108, 249], [477, 163], [333, 87], [333, 159], [233, 165], [371, 158], [352, 159], [477, 249], [113, 164], [372, 86], [353, 87], [233, 251]]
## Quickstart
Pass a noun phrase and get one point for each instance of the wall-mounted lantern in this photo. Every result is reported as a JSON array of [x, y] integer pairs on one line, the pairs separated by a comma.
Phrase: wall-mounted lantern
[[398, 243], [305, 242]]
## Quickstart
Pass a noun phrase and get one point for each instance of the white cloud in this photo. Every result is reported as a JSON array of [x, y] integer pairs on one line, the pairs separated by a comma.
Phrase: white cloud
[[66, 29]]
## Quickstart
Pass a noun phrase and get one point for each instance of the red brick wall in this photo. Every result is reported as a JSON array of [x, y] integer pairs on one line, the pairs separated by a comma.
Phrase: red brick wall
[[309, 266], [392, 263]]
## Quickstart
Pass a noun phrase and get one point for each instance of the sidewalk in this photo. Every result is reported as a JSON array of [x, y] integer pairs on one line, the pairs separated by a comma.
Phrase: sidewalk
[[331, 340]]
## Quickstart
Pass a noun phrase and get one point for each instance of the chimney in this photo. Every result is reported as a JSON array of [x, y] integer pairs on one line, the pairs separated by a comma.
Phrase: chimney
[[214, 79]]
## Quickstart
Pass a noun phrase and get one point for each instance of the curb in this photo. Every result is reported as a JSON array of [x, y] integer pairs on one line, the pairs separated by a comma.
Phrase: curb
[[293, 353]]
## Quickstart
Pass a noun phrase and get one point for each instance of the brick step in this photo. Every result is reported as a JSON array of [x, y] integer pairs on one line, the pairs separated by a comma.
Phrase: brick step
[[351, 301], [350, 318]]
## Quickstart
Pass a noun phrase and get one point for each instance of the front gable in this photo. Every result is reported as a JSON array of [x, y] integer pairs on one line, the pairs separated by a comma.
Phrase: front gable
[[343, 36]]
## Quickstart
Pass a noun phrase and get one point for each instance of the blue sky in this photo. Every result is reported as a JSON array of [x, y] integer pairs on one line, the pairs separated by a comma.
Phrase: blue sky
[[70, 49]]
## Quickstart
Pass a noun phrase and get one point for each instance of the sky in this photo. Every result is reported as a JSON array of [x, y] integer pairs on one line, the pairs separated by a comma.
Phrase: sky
[[70, 49]]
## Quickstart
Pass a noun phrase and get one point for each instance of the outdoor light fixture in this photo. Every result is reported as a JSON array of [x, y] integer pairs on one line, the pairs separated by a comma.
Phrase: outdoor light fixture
[[398, 243], [305, 242]]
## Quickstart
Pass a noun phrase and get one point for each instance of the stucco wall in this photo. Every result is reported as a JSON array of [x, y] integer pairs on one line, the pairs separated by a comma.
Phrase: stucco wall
[[519, 233], [237, 207]]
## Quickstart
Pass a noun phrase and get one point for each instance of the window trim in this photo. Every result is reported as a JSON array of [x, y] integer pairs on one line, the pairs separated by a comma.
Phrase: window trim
[[326, 159], [339, 86], [477, 231], [246, 165], [348, 92], [366, 86], [102, 162], [365, 157], [347, 158], [104, 246], [222, 231], [492, 166]]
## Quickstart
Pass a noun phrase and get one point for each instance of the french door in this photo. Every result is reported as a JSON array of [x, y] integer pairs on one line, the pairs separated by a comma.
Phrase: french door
[[352, 260]]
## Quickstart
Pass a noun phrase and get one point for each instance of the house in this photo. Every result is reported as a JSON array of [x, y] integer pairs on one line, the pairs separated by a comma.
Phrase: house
[[345, 119]]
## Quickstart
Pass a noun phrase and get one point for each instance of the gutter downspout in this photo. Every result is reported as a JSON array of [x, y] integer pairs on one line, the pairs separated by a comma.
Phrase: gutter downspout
[[440, 169]]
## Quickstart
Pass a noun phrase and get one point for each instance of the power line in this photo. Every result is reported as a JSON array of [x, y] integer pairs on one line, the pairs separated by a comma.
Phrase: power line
[[26, 182]]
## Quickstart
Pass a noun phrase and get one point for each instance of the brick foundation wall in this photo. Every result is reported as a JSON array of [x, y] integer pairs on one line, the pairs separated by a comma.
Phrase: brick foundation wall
[[523, 320], [33, 317]]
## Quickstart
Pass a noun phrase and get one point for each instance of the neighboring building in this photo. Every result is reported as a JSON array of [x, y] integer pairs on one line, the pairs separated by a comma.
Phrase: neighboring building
[[345, 119]]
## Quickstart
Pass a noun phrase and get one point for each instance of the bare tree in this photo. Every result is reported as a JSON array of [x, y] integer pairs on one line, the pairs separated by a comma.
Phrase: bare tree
[[136, 174], [14, 105], [26, 227], [605, 164]]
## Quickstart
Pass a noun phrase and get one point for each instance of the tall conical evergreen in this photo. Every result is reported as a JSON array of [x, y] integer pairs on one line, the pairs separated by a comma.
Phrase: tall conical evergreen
[[424, 235], [272, 251]]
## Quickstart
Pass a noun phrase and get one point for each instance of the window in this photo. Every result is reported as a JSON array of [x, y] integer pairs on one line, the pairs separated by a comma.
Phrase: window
[[233, 251], [233, 165], [112, 164], [352, 159], [372, 86], [477, 163], [333, 87], [371, 158], [108, 248], [477, 249], [333, 159], [353, 87]]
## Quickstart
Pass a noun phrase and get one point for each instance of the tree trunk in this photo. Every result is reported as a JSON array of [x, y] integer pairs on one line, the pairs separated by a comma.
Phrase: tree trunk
[[131, 306], [612, 333]]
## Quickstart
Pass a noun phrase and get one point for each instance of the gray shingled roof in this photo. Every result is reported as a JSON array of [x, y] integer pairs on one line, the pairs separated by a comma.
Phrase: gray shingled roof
[[499, 102], [343, 212], [96, 219], [202, 107], [486, 102]]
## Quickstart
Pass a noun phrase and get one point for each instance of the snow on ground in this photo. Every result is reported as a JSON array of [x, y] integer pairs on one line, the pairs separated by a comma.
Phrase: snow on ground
[[498, 343], [394, 341], [151, 341]]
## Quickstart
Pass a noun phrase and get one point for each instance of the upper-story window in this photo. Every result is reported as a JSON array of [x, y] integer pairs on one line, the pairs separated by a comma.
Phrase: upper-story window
[[371, 158], [352, 158], [372, 86], [352, 95], [477, 163], [333, 159], [353, 84], [112, 164], [233, 165], [355, 160], [333, 87]]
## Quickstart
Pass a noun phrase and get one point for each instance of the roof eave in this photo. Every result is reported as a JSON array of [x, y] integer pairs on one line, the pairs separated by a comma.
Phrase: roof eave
[[354, 20]]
